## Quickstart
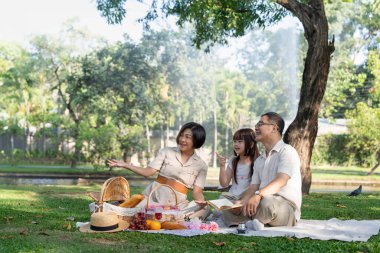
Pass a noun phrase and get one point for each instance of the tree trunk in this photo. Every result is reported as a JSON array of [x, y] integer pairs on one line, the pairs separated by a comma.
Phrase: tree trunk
[[147, 138], [215, 137], [12, 147], [77, 147], [167, 133], [377, 164], [302, 132], [161, 135], [226, 143], [127, 156]]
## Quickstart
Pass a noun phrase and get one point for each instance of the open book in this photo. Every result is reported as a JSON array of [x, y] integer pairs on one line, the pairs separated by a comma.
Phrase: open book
[[223, 204]]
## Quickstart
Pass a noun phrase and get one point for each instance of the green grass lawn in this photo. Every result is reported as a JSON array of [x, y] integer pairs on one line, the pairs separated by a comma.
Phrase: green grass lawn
[[344, 173], [64, 169], [38, 219]]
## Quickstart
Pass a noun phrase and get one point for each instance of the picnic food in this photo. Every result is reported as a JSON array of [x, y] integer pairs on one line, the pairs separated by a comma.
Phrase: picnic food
[[133, 201], [172, 225], [155, 225], [138, 222], [148, 222], [167, 212]]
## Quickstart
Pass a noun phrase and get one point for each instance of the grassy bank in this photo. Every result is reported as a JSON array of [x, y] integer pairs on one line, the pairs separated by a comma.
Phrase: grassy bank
[[39, 219], [319, 172], [351, 173], [58, 169]]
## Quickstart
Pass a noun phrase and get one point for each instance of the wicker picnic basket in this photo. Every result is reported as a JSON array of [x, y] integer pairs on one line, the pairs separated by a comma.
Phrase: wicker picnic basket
[[168, 212], [114, 191]]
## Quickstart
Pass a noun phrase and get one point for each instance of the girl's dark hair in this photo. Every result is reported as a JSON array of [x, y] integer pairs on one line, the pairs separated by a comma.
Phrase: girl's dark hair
[[248, 135], [198, 131]]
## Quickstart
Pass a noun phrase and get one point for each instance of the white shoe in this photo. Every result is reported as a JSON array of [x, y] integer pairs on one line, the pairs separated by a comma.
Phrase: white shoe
[[254, 225]]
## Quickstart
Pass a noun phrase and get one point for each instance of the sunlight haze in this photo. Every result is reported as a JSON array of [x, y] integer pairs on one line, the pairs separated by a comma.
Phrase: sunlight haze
[[21, 19]]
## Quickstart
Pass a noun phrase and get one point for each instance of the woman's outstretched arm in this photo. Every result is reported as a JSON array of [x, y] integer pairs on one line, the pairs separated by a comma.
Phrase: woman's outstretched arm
[[146, 172]]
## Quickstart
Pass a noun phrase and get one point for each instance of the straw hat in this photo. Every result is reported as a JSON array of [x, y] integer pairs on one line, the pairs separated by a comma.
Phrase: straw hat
[[105, 222]]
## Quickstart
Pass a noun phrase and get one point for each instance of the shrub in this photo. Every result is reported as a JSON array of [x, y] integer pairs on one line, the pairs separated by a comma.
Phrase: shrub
[[332, 149]]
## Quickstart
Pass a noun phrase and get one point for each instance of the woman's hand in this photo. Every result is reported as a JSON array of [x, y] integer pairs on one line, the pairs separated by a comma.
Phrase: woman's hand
[[198, 194], [146, 172], [117, 163], [202, 203]]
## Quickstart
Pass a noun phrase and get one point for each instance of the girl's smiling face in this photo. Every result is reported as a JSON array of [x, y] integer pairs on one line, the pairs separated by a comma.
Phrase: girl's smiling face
[[239, 147]]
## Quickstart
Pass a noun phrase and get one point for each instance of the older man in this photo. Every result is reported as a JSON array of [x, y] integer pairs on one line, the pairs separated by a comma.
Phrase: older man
[[274, 196]]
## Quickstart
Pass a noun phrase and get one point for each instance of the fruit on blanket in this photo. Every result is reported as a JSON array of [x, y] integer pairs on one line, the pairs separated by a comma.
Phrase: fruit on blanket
[[133, 201], [172, 225], [148, 222], [138, 223], [155, 225]]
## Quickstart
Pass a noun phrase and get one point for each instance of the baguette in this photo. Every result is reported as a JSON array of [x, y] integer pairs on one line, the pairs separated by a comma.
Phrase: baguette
[[133, 201], [171, 225]]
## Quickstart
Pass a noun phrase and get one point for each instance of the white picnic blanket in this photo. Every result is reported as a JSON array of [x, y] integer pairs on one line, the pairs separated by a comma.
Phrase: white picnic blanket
[[333, 229]]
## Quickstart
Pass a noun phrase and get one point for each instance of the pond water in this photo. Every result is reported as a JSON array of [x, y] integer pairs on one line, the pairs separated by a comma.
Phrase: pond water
[[144, 182], [63, 181]]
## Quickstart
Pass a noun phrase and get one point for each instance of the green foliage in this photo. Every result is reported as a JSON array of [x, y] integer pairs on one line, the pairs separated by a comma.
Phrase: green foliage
[[163, 82], [18, 80], [217, 20], [113, 10], [373, 65], [365, 136], [99, 142], [350, 83], [359, 147], [214, 21], [3, 125], [333, 150]]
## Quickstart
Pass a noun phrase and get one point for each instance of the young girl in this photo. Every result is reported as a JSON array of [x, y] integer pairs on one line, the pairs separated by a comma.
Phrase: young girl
[[240, 166]]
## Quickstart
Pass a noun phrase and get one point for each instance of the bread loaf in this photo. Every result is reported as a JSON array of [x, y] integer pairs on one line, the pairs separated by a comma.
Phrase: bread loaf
[[133, 201], [171, 225]]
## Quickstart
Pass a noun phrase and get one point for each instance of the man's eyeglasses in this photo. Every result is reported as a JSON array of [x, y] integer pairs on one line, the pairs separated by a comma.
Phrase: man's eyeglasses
[[261, 123]]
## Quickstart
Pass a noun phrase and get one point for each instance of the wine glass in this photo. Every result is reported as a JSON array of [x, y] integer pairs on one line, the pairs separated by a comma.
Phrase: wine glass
[[158, 213], [141, 214]]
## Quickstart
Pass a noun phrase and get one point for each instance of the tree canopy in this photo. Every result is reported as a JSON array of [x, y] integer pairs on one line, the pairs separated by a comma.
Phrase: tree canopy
[[103, 98]]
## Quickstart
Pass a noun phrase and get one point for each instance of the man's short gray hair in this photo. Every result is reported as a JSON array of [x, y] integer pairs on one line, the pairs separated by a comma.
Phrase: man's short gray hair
[[277, 119]]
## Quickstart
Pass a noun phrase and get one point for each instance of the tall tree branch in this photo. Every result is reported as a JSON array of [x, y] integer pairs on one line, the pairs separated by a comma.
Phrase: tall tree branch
[[302, 11], [67, 103]]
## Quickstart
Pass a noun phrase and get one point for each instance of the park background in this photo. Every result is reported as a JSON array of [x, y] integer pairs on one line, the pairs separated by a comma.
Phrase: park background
[[63, 100], [72, 95]]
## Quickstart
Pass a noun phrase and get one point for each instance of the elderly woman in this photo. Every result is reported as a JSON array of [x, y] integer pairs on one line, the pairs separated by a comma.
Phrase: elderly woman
[[179, 167]]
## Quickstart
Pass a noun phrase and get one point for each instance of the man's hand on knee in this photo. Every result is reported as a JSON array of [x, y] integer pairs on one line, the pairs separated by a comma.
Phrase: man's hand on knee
[[250, 208]]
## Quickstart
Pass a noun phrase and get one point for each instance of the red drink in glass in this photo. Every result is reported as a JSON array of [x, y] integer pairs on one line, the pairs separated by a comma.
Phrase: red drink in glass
[[158, 216]]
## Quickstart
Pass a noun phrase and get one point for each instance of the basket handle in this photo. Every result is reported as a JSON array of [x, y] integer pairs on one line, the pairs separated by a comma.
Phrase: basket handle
[[104, 188], [108, 182], [155, 189]]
